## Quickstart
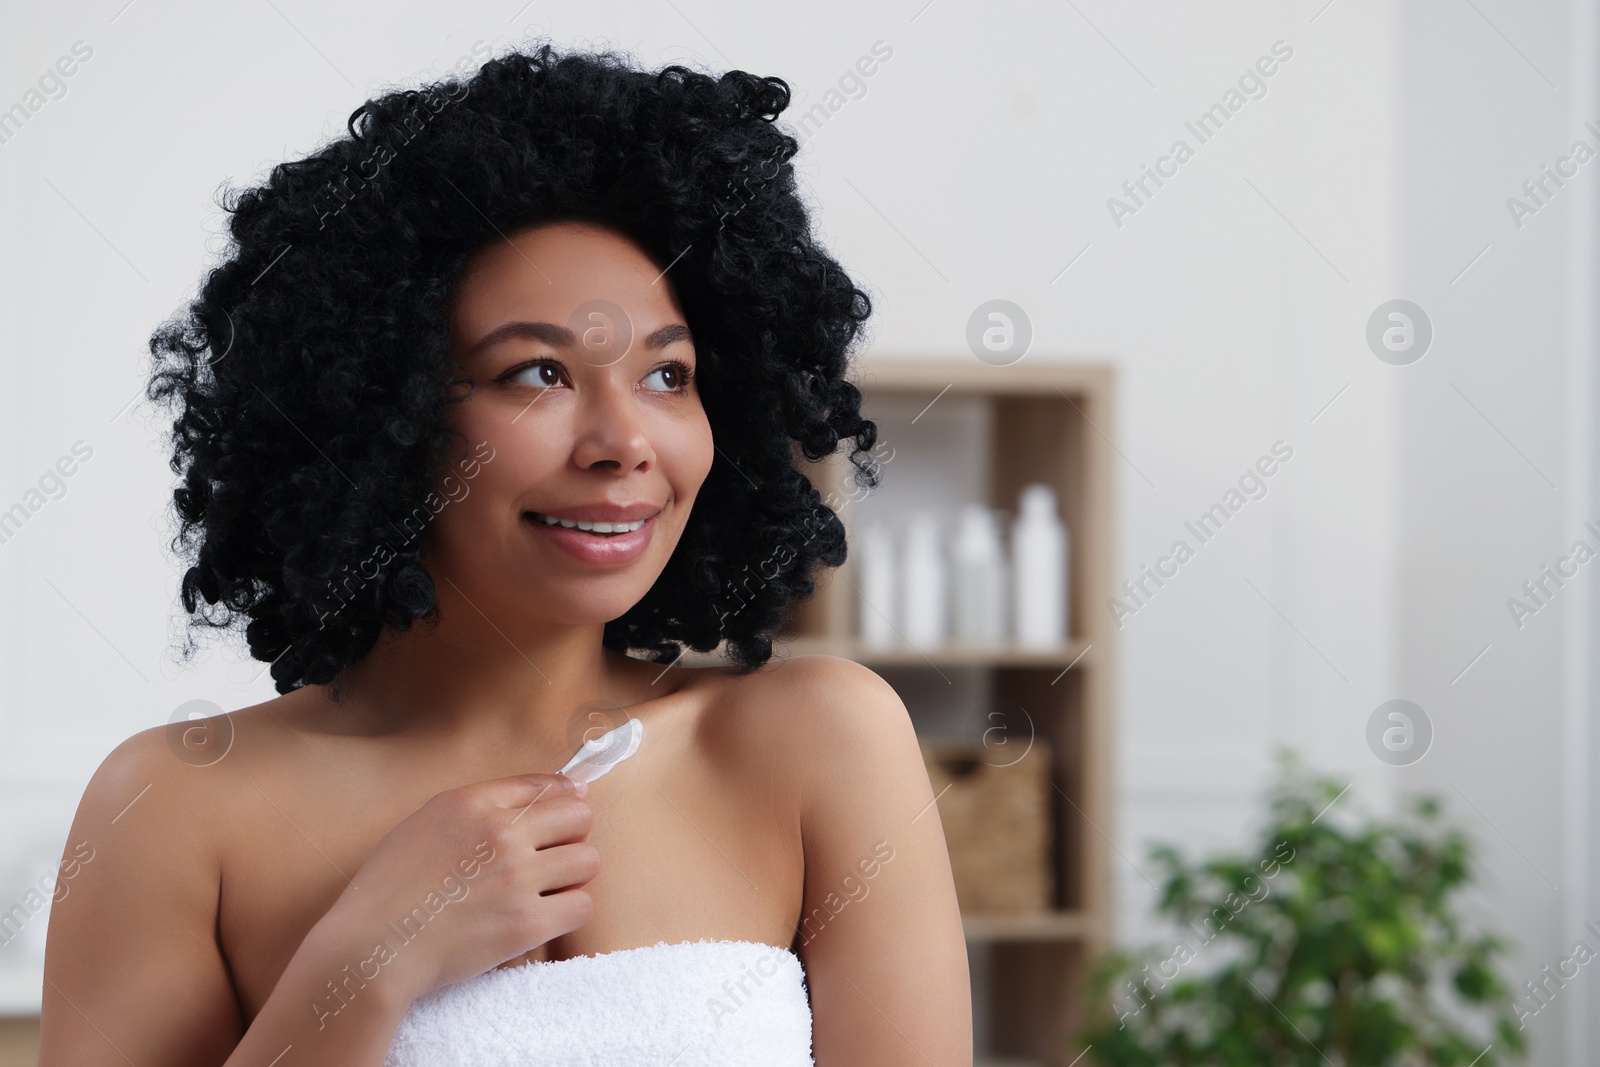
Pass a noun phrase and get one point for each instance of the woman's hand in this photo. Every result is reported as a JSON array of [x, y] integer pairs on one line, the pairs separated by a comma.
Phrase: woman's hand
[[478, 875]]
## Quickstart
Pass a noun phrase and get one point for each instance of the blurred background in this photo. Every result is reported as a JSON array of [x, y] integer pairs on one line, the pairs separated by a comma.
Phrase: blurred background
[[1369, 268]]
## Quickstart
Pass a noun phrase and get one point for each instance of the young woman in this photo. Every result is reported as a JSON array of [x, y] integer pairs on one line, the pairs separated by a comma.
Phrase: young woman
[[505, 385]]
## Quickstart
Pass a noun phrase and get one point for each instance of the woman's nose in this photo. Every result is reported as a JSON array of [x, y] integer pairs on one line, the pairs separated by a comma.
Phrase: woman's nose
[[611, 432]]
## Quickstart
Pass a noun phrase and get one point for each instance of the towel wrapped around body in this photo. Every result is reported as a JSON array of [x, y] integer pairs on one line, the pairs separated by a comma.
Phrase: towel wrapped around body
[[688, 1004]]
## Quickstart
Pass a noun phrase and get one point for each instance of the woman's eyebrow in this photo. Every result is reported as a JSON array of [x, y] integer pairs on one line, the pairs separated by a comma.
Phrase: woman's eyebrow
[[667, 335], [548, 332], [561, 337]]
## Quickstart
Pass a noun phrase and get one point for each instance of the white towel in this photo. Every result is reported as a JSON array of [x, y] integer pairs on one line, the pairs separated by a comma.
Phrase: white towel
[[688, 1004]]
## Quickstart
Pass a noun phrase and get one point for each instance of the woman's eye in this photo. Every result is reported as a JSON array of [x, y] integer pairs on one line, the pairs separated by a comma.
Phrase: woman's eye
[[546, 374], [535, 374], [675, 375]]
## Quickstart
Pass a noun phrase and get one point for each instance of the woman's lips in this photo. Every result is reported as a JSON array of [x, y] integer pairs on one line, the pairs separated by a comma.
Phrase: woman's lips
[[601, 549]]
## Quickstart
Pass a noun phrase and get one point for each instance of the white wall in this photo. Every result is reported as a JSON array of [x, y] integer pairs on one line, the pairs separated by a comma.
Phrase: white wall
[[1490, 495], [977, 165]]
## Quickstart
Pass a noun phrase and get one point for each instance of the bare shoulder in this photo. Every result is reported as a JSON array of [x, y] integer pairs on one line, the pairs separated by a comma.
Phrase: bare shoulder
[[142, 866], [180, 762], [808, 693], [821, 689], [824, 720], [850, 703], [170, 794], [160, 800], [811, 676], [151, 771]]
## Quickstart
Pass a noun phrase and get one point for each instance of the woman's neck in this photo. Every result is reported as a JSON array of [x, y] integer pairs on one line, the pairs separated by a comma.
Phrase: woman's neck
[[475, 680]]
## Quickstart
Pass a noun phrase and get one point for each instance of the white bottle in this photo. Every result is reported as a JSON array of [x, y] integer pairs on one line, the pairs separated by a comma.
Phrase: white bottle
[[874, 557], [978, 565], [1039, 548], [923, 597]]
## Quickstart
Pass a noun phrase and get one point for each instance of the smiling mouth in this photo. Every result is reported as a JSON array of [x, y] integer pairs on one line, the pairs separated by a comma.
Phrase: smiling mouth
[[606, 529]]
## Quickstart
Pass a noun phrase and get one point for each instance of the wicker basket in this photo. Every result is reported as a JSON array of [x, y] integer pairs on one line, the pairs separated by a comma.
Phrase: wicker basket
[[997, 824]]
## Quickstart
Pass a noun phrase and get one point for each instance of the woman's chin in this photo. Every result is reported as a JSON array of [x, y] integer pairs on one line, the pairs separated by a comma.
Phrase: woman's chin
[[587, 604]]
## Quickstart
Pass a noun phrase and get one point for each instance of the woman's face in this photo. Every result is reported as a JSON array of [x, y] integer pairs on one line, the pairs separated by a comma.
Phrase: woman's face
[[585, 409]]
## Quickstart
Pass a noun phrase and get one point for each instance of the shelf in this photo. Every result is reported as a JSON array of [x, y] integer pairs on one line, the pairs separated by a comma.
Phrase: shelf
[[951, 654], [1073, 654], [1049, 926]]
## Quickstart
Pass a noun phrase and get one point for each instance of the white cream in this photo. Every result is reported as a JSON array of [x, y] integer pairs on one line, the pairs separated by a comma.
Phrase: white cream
[[598, 755]]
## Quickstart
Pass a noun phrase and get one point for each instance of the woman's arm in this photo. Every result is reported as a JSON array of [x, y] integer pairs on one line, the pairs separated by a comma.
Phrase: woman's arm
[[133, 970], [880, 934]]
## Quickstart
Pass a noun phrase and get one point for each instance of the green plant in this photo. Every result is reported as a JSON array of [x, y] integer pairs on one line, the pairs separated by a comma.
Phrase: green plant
[[1333, 942]]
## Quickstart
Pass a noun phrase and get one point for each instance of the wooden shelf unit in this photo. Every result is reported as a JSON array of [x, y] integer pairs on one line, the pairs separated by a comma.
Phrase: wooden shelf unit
[[1050, 422]]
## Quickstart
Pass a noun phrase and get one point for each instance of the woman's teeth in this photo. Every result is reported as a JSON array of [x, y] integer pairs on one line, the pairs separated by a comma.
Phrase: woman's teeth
[[589, 527]]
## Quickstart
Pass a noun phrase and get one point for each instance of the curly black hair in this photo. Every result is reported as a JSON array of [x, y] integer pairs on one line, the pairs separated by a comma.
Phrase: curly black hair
[[310, 382]]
